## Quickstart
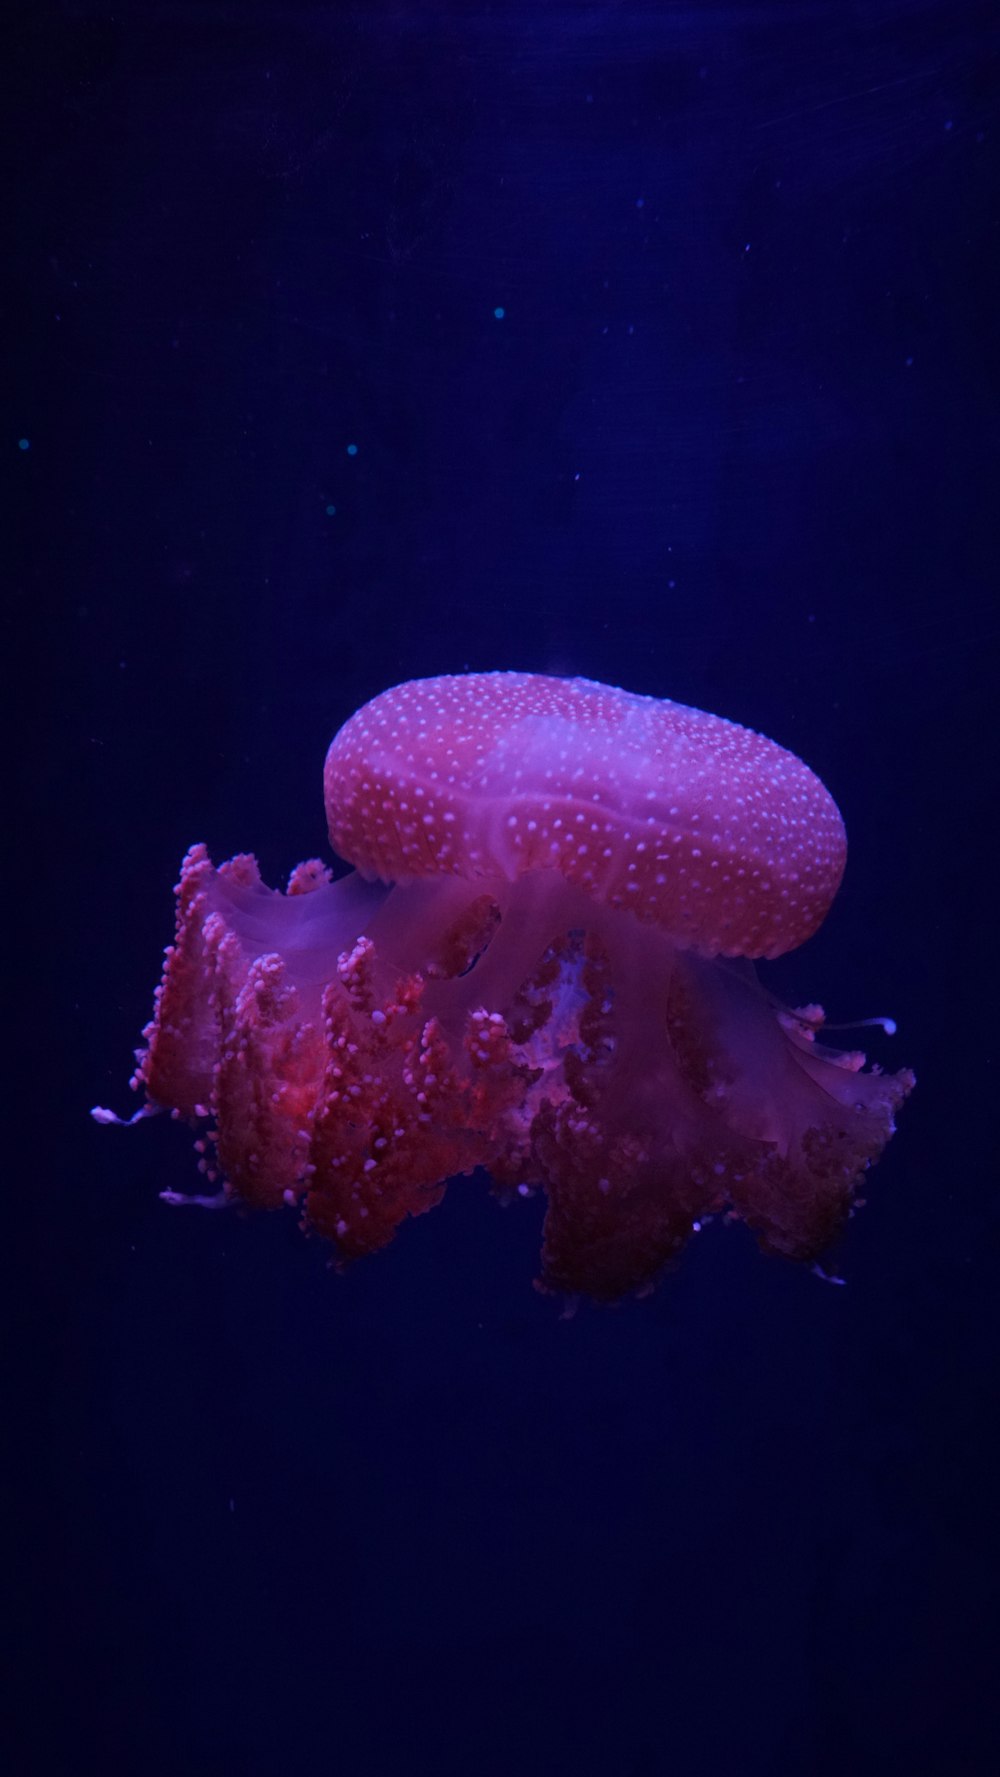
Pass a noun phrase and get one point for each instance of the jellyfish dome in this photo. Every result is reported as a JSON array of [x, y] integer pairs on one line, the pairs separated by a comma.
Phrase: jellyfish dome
[[541, 965]]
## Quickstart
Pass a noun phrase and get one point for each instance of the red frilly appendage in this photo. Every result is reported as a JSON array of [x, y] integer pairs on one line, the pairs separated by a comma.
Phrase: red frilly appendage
[[353, 1047]]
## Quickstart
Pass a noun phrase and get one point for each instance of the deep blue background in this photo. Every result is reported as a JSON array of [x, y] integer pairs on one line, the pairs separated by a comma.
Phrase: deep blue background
[[733, 441]]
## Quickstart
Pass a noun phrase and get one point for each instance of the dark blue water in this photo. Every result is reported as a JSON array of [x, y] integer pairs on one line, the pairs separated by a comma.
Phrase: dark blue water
[[353, 343]]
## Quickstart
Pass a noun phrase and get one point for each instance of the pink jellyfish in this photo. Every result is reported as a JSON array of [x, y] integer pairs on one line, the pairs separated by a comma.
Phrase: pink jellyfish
[[541, 965]]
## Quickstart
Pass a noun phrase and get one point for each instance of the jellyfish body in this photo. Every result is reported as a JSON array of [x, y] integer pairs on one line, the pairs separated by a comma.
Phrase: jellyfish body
[[539, 966]]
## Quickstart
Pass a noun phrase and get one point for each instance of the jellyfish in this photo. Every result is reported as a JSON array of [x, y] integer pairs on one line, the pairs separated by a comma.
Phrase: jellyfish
[[541, 965]]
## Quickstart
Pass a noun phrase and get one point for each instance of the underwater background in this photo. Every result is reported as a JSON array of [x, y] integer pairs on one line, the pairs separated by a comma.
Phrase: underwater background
[[352, 343]]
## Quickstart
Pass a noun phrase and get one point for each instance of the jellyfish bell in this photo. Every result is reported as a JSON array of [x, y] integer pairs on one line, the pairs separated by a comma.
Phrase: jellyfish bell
[[722, 838], [542, 965]]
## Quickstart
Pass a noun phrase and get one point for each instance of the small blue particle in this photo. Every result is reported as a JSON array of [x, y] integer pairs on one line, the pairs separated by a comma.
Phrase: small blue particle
[[498, 314], [352, 450], [640, 203], [24, 444], [330, 511]]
